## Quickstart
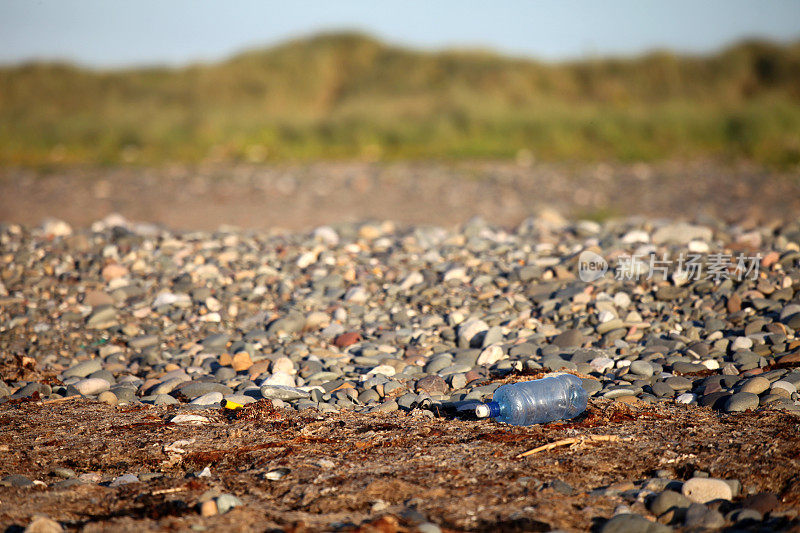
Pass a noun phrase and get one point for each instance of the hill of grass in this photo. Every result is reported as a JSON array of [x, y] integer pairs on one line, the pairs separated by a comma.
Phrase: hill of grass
[[347, 95]]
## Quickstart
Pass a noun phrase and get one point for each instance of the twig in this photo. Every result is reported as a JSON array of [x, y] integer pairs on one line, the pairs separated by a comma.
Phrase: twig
[[573, 440], [59, 400], [168, 491]]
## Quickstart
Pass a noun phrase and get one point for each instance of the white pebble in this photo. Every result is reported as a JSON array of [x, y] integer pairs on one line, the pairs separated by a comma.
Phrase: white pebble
[[601, 364], [189, 419], [636, 236], [622, 300], [491, 355], [279, 378], [686, 397], [698, 247], [386, 370], [704, 490], [605, 316], [785, 385]]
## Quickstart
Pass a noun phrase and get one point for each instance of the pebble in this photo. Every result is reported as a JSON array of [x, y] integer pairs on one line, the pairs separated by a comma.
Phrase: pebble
[[491, 355], [681, 233], [368, 396], [208, 508], [16, 480], [631, 523], [209, 398], [195, 389], [284, 365], [226, 502], [283, 379], [763, 502], [686, 398], [141, 342], [469, 332], [276, 474], [788, 386], [92, 386], [387, 406], [83, 369], [568, 339], [742, 401], [43, 524], [124, 479], [347, 339], [108, 397], [741, 343], [704, 490], [164, 399], [432, 385], [189, 419], [602, 364], [642, 368], [700, 516], [357, 317], [668, 500], [66, 473], [66, 484], [755, 385], [282, 392]]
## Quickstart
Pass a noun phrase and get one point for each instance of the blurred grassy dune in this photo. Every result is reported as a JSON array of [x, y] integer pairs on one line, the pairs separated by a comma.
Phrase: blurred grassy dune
[[351, 96]]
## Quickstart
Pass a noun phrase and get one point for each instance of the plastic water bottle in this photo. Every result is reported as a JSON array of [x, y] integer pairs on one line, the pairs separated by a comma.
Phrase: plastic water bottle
[[554, 397]]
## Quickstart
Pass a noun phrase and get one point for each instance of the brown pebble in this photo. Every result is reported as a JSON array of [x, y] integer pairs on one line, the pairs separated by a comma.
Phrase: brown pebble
[[241, 361], [346, 339], [259, 367], [790, 358], [763, 502], [114, 271], [631, 400], [225, 359], [208, 508], [472, 375], [770, 259], [734, 303], [346, 385], [432, 385], [95, 298]]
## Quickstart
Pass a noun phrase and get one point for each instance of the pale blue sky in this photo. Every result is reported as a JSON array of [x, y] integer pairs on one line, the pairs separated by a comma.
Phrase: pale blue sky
[[107, 33]]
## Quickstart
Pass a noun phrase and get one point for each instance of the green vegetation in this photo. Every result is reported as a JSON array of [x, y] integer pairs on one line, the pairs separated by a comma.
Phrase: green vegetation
[[346, 95]]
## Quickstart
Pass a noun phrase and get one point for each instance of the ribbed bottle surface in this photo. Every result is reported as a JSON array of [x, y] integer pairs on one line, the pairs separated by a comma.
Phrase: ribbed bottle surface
[[543, 400]]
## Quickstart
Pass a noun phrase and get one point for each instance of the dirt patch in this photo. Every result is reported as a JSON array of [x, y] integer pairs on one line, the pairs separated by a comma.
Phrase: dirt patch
[[377, 472], [299, 197]]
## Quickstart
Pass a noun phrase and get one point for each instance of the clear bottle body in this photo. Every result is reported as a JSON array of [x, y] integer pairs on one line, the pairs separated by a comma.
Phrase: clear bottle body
[[555, 397]]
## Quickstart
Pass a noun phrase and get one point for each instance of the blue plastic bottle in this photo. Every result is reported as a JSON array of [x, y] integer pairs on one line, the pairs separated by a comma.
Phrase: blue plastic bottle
[[554, 397]]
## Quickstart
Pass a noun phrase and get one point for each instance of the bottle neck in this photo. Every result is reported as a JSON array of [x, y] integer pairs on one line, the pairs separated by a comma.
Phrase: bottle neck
[[494, 409]]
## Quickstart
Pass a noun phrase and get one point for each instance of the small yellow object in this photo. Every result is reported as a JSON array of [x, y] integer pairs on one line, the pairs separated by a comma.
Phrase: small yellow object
[[227, 404]]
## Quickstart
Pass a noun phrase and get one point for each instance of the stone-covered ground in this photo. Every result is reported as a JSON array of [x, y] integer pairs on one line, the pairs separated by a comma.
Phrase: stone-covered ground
[[359, 350]]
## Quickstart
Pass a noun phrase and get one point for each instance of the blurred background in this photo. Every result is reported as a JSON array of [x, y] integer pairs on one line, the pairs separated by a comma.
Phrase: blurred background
[[118, 98]]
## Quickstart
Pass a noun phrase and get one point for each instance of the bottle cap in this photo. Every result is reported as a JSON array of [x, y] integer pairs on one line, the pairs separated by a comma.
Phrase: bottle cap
[[482, 410]]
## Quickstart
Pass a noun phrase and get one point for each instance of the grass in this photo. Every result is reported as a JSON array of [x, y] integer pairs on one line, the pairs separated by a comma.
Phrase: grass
[[349, 96]]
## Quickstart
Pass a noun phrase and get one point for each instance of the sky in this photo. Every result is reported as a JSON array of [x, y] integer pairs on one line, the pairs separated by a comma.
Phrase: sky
[[118, 33]]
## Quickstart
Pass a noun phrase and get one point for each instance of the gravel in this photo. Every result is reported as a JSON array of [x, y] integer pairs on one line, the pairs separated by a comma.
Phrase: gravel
[[371, 317]]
